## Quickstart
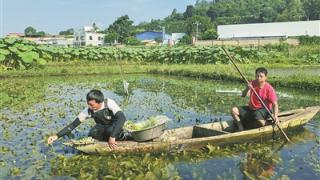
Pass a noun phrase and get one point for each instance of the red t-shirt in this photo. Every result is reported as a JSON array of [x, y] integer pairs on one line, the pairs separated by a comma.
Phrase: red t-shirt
[[267, 94]]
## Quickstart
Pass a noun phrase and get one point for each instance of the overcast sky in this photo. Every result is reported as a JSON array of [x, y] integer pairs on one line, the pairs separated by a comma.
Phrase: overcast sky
[[53, 16]]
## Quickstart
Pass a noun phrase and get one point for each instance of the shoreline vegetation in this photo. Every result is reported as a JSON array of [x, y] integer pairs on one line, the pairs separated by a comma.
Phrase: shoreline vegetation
[[289, 66], [280, 75]]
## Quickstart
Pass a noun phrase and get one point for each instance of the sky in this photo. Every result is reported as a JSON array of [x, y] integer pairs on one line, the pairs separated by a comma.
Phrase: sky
[[53, 16]]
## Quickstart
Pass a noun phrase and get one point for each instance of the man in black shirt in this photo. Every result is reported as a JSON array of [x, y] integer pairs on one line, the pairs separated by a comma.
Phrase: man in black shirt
[[106, 113]]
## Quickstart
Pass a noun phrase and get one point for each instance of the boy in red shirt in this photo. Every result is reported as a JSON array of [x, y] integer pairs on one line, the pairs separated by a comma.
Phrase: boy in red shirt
[[255, 114]]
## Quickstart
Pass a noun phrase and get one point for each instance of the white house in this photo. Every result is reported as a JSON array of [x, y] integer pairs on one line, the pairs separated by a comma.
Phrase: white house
[[87, 36], [269, 30]]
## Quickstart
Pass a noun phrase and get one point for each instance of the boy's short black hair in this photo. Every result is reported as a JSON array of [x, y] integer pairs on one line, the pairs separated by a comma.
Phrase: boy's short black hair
[[96, 95], [262, 70]]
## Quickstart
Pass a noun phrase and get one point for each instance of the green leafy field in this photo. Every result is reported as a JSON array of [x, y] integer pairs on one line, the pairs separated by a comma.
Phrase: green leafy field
[[22, 54]]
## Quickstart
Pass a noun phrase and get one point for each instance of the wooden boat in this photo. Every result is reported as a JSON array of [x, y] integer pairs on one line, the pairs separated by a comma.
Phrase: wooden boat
[[217, 133]]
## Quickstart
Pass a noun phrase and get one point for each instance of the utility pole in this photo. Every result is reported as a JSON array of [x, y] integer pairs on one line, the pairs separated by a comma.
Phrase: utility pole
[[163, 33]]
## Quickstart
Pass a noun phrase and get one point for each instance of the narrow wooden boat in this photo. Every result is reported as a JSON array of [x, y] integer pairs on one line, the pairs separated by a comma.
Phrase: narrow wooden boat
[[217, 133]]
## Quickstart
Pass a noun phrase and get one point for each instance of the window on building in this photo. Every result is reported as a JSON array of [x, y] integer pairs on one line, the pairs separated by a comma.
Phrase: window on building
[[82, 37], [90, 38], [77, 38]]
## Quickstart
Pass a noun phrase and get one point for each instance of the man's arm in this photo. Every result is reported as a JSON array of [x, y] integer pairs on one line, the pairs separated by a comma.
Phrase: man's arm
[[119, 119], [118, 123], [67, 130]]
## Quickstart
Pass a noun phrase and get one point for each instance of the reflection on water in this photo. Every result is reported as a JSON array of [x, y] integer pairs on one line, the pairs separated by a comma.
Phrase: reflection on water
[[33, 108]]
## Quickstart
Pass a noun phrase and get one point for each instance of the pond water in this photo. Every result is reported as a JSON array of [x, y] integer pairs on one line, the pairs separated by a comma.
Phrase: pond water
[[34, 108]]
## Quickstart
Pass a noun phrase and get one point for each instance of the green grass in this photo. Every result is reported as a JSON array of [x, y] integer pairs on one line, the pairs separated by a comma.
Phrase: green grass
[[75, 68], [299, 76]]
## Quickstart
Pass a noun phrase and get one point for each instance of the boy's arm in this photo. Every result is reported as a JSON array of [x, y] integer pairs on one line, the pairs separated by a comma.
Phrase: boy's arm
[[272, 97], [245, 92], [276, 111]]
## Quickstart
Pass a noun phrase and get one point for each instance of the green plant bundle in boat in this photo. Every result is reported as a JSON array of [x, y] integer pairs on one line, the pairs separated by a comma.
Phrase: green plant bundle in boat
[[148, 129], [145, 124]]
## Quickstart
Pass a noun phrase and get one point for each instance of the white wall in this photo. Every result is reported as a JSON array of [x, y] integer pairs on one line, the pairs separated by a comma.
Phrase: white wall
[[278, 29], [86, 38], [95, 39]]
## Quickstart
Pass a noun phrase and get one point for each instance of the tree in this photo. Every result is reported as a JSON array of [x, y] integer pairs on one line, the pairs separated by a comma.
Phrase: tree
[[267, 14], [212, 13], [293, 11], [189, 11], [123, 26], [186, 39], [312, 9], [204, 24], [201, 7], [209, 34], [111, 37], [67, 32], [175, 26], [202, 4], [133, 41], [41, 34], [30, 31], [153, 25], [175, 16]]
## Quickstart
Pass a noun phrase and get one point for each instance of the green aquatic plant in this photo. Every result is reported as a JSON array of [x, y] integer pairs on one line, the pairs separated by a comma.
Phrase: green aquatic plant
[[17, 53], [145, 124]]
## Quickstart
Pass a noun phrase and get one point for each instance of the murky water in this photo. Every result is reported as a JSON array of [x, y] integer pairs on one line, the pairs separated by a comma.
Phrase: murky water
[[34, 108]]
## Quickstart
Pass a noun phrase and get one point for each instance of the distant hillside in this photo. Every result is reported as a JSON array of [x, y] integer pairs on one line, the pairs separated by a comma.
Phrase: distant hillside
[[209, 14]]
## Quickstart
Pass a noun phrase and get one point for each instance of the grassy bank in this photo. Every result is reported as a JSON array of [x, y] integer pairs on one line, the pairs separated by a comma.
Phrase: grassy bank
[[301, 77], [76, 68], [306, 77]]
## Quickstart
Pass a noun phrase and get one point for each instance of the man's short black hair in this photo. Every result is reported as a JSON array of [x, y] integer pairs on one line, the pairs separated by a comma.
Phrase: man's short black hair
[[96, 95], [262, 70]]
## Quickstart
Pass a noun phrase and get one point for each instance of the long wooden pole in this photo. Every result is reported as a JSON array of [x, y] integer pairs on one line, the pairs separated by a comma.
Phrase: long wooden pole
[[255, 92]]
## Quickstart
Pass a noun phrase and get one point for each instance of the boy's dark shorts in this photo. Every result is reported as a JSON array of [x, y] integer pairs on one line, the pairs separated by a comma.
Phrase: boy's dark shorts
[[250, 117]]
